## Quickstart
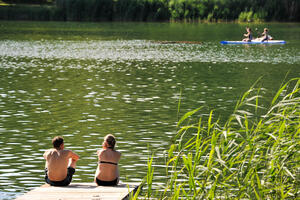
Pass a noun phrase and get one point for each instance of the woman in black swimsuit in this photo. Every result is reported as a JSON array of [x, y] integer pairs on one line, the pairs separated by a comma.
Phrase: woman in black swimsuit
[[107, 173], [248, 35]]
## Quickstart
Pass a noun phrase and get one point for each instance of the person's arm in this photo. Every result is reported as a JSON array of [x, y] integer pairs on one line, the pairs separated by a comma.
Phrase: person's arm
[[73, 155], [120, 154], [99, 154], [45, 154]]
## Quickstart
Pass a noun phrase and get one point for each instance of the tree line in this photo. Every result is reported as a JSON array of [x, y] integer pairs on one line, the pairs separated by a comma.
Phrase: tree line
[[152, 10]]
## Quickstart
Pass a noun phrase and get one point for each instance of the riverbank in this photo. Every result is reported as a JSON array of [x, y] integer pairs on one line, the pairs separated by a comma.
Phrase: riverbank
[[152, 11], [249, 157]]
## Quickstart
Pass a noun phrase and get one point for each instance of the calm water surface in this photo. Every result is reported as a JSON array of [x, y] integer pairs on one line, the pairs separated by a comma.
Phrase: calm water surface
[[85, 80]]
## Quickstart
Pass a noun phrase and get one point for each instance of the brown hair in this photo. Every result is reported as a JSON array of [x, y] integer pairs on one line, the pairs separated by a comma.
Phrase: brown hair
[[111, 141], [57, 141]]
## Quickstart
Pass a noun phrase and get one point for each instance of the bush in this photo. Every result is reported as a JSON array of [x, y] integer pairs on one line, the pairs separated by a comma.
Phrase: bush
[[246, 17], [42, 13], [29, 1], [155, 10]]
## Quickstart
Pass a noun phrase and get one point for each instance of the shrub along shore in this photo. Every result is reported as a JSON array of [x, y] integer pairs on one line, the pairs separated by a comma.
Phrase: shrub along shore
[[250, 156], [151, 10]]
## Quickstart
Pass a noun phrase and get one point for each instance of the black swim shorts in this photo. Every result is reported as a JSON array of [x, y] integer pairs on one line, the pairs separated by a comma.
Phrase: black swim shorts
[[107, 183], [64, 182]]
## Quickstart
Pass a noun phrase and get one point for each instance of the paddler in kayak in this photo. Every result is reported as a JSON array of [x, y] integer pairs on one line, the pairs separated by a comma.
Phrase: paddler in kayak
[[265, 36], [248, 35]]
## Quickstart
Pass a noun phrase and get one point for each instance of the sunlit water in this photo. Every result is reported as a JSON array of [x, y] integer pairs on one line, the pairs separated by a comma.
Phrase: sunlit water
[[129, 85], [94, 53]]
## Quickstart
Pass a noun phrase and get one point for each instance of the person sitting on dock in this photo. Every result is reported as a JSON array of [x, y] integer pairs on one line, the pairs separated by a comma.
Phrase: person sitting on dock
[[60, 163], [248, 35], [107, 173]]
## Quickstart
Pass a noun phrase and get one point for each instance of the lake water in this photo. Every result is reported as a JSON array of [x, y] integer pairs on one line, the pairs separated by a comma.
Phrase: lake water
[[85, 80]]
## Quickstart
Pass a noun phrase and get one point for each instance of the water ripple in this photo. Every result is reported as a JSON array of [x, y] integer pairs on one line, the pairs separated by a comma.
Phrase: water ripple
[[32, 52], [86, 89]]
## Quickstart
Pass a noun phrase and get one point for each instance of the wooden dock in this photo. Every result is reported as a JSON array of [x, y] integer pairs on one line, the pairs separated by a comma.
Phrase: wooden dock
[[81, 191]]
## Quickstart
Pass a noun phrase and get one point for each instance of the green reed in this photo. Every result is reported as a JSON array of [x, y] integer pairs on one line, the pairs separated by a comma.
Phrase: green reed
[[249, 157]]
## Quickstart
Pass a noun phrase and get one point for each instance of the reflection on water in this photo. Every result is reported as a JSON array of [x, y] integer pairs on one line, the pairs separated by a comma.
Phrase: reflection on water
[[86, 89], [75, 53]]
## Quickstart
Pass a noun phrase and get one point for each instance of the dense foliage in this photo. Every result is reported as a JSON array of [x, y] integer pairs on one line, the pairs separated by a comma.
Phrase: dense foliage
[[29, 1], [246, 158], [153, 10]]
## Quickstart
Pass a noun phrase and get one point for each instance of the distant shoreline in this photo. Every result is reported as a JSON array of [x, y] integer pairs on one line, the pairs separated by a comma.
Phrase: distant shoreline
[[169, 11]]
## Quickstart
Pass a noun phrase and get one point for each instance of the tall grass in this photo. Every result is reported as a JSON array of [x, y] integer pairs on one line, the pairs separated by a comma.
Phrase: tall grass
[[248, 157]]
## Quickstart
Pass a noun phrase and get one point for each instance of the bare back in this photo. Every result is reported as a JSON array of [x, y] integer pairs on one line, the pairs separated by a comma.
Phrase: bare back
[[57, 162], [108, 171]]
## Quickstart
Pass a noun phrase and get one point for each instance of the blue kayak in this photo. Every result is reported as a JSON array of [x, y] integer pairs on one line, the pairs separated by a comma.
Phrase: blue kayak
[[254, 42]]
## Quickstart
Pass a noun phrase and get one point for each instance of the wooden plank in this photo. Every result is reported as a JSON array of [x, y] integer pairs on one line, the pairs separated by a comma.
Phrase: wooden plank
[[81, 191]]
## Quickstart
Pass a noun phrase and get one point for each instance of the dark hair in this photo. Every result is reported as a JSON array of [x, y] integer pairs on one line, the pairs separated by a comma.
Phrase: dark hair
[[57, 141], [111, 140]]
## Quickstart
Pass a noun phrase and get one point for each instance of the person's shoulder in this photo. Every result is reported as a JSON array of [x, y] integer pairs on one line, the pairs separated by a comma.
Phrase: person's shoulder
[[47, 151], [100, 152], [66, 151], [118, 153]]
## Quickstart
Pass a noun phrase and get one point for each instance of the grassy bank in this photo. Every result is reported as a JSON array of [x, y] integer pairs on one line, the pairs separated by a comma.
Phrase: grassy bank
[[248, 157], [152, 10]]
